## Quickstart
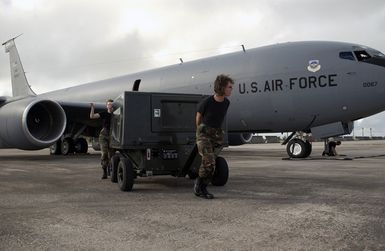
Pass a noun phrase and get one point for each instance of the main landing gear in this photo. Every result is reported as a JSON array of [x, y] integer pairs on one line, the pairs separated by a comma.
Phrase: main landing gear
[[68, 145]]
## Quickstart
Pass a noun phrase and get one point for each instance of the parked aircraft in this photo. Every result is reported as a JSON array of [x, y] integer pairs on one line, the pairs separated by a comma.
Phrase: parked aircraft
[[318, 88]]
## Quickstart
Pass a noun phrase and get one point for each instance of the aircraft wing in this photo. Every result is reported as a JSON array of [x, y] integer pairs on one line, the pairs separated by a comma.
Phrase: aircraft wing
[[79, 112]]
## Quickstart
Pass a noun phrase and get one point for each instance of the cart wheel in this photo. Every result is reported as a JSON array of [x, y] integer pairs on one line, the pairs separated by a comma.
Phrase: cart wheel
[[114, 168], [125, 175], [221, 174]]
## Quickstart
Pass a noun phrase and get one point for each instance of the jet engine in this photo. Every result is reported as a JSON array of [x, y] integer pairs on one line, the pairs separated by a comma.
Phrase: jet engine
[[31, 124], [237, 139]]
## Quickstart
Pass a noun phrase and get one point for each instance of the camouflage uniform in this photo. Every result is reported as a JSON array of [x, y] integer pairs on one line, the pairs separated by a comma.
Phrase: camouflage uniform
[[210, 144], [107, 152]]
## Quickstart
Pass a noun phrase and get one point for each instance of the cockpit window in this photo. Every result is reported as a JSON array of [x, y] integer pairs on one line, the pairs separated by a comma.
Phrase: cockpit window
[[365, 55], [347, 55], [362, 55], [379, 54]]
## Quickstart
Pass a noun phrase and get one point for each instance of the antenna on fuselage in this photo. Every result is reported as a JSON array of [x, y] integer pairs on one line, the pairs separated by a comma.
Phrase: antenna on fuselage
[[243, 48]]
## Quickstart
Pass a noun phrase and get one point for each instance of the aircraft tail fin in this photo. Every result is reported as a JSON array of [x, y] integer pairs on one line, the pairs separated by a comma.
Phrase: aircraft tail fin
[[20, 86]]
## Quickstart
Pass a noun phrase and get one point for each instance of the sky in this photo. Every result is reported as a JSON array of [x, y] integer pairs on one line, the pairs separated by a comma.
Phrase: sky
[[68, 42]]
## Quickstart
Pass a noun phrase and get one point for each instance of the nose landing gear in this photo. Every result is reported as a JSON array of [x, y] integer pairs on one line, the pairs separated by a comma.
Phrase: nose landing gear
[[298, 148]]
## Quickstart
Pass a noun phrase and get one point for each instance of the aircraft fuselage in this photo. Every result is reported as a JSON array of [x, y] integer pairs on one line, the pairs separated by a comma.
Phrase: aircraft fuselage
[[283, 87]]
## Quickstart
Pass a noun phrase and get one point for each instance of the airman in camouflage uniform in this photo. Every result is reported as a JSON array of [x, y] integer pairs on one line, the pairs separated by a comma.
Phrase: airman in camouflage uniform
[[104, 136], [107, 152], [209, 118]]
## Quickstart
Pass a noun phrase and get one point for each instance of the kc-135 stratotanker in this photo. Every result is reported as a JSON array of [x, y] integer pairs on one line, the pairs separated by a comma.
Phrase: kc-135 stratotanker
[[315, 88]]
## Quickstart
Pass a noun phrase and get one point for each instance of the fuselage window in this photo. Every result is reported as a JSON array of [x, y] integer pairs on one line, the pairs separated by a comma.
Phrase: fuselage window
[[362, 55], [347, 55]]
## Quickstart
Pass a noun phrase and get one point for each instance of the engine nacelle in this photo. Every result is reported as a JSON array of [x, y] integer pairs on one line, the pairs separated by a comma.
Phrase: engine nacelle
[[237, 139], [31, 124]]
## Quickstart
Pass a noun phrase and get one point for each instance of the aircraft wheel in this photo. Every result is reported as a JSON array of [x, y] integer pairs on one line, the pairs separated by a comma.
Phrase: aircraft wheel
[[114, 162], [55, 149], [67, 146], [297, 148], [125, 175], [81, 145], [308, 149], [221, 174], [95, 144]]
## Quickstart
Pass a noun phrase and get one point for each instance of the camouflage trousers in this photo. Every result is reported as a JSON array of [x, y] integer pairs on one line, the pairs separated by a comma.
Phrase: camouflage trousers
[[210, 144], [107, 152]]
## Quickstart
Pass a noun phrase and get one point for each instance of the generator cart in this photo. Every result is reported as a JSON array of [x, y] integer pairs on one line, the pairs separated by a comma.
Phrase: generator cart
[[154, 134]]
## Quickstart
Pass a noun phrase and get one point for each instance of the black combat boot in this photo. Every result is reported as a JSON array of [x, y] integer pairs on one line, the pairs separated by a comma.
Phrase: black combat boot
[[197, 186], [200, 189], [104, 173], [206, 193]]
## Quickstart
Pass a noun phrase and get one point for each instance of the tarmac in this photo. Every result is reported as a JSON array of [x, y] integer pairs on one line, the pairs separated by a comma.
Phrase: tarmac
[[269, 203]]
